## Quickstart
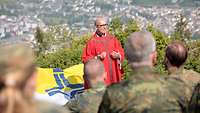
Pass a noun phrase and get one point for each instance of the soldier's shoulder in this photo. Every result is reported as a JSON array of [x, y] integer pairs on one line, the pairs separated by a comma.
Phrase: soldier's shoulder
[[45, 107], [89, 93], [191, 77], [127, 87], [182, 89], [191, 73], [172, 81], [118, 86], [89, 97], [86, 102], [115, 90]]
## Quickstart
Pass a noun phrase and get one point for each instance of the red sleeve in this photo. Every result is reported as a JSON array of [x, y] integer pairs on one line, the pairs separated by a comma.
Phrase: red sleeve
[[88, 51], [119, 49]]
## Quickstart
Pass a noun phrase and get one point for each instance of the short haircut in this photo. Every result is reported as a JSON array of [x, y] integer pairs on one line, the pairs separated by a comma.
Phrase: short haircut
[[139, 46], [102, 19], [15, 57], [176, 53], [93, 68]]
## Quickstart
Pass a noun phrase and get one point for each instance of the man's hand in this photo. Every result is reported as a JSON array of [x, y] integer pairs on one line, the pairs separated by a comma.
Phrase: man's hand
[[102, 55], [115, 55]]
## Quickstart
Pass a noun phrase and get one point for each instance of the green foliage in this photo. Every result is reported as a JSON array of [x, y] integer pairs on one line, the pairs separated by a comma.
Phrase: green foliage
[[122, 31], [64, 57], [80, 42], [181, 31], [126, 68], [55, 37], [161, 42], [193, 60], [41, 44], [115, 28]]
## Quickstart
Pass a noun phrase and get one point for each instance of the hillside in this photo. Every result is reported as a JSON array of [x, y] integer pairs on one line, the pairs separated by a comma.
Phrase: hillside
[[21, 17]]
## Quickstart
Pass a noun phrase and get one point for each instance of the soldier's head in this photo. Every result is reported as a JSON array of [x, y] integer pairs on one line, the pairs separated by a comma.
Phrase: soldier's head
[[140, 49], [175, 54], [16, 76], [94, 72], [101, 25]]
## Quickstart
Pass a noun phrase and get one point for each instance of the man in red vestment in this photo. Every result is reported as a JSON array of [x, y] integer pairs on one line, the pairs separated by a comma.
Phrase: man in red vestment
[[107, 48]]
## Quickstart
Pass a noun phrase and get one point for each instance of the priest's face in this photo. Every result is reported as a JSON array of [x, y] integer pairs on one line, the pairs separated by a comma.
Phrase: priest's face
[[101, 25]]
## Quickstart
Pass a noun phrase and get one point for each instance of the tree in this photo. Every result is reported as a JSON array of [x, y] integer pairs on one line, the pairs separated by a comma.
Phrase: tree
[[193, 60], [162, 41], [41, 44], [64, 57], [182, 32], [122, 31], [54, 38]]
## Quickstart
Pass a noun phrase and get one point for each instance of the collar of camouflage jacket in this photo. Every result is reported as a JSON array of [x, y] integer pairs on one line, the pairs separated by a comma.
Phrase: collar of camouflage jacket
[[176, 71], [99, 87], [142, 73]]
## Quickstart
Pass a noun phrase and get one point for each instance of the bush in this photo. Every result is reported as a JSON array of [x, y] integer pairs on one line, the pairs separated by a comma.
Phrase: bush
[[161, 42], [193, 60], [64, 57]]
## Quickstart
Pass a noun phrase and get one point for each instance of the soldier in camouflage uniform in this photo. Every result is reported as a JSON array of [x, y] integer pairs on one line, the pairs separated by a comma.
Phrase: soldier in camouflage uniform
[[144, 91], [17, 82], [89, 101], [175, 57]]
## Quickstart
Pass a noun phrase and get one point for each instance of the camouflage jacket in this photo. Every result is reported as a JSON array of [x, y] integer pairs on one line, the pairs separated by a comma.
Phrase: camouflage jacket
[[194, 106], [143, 92], [44, 107], [181, 91], [87, 102], [190, 77]]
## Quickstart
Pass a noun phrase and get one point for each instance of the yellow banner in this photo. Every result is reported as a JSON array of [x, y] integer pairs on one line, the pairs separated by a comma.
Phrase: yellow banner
[[53, 81]]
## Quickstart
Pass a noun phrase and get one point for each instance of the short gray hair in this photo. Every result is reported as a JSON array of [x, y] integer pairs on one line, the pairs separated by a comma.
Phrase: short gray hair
[[101, 18], [93, 68], [15, 57], [139, 46]]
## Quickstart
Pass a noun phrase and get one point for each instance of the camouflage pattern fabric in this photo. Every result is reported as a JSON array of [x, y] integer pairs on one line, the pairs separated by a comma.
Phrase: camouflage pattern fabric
[[194, 106], [87, 102], [190, 77], [181, 90], [143, 92]]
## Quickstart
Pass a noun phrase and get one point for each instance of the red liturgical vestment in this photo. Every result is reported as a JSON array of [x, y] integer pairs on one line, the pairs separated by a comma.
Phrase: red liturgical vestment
[[108, 44]]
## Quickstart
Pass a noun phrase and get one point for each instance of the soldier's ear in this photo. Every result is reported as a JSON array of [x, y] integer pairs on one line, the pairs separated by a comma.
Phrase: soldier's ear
[[154, 57]]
